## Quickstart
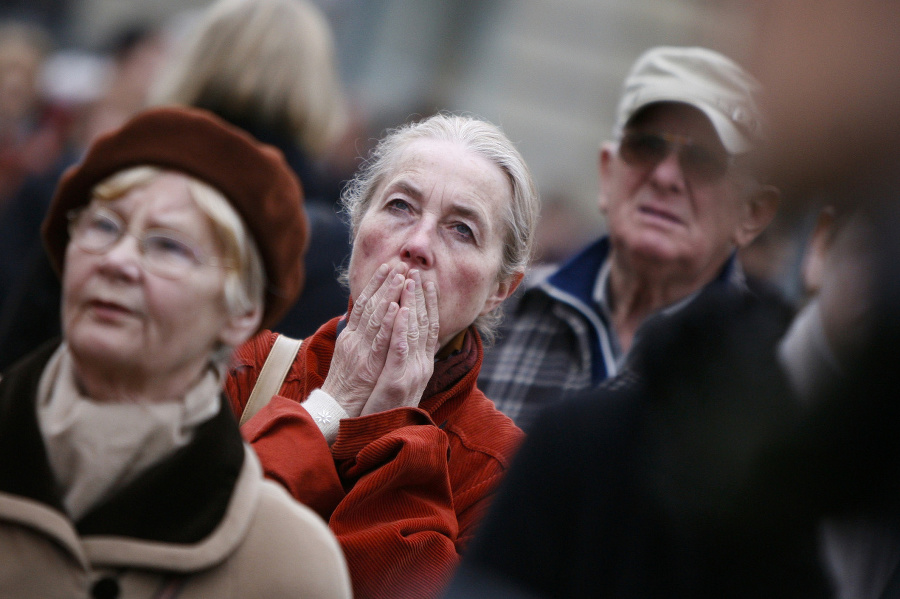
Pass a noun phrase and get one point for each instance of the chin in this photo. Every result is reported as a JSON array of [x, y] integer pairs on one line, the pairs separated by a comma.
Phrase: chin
[[654, 250], [96, 346]]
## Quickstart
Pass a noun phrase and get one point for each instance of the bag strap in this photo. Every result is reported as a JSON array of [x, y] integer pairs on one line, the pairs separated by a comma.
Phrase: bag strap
[[271, 377]]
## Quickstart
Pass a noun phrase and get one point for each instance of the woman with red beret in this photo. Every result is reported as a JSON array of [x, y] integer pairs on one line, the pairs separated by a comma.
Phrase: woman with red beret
[[125, 475], [378, 424]]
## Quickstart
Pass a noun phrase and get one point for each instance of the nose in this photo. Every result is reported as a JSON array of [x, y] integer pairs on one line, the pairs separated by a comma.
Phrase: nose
[[124, 259], [667, 175], [417, 248]]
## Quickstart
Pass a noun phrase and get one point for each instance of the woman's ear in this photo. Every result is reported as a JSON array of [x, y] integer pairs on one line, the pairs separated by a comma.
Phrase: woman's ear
[[757, 211], [241, 326], [503, 291]]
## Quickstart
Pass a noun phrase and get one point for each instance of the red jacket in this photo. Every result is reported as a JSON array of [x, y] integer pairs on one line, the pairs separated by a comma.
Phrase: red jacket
[[404, 489]]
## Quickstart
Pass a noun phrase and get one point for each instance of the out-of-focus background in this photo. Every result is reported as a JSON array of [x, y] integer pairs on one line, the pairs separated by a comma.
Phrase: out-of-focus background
[[548, 72]]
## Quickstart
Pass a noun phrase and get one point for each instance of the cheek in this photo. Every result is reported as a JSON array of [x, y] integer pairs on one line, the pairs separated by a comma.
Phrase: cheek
[[369, 252], [75, 274], [183, 316], [472, 283]]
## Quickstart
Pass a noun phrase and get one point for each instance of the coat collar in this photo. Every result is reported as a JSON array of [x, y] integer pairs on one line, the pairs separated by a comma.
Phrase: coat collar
[[180, 500]]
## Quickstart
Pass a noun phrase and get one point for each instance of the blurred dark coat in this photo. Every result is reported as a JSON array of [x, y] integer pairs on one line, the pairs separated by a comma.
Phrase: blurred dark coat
[[667, 481]]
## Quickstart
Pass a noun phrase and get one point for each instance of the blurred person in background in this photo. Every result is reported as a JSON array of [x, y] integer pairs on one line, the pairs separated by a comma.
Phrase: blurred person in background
[[29, 289], [32, 130], [177, 237], [378, 424], [668, 480], [833, 139], [268, 66], [679, 201]]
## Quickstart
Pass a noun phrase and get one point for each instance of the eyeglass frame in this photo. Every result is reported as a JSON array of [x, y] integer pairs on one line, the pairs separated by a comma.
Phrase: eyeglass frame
[[678, 143], [198, 255]]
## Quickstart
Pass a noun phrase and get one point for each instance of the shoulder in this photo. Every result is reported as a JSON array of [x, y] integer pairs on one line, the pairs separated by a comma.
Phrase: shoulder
[[480, 427], [290, 551], [254, 351]]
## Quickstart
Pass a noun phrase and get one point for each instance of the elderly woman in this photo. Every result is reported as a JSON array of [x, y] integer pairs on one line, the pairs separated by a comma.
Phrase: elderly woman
[[379, 424], [125, 475]]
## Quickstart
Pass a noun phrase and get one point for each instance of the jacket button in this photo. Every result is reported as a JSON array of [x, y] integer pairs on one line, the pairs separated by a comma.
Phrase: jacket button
[[105, 588]]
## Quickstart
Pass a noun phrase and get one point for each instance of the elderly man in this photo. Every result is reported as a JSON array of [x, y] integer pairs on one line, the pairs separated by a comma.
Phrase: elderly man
[[679, 201]]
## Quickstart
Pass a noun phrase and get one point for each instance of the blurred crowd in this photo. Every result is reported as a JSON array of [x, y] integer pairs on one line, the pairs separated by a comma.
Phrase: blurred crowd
[[740, 402]]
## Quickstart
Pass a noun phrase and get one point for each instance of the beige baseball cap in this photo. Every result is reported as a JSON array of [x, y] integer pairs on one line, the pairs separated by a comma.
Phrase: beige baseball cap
[[702, 78]]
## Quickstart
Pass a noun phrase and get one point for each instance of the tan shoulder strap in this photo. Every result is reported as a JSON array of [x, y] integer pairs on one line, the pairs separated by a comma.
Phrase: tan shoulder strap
[[272, 375]]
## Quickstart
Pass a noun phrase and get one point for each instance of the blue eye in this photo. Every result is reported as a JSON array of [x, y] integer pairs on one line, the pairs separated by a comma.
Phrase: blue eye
[[399, 204], [464, 230], [97, 230], [103, 224], [166, 247]]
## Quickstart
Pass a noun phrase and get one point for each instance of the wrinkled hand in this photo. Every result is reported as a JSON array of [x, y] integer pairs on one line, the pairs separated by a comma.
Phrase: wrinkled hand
[[362, 347], [410, 357]]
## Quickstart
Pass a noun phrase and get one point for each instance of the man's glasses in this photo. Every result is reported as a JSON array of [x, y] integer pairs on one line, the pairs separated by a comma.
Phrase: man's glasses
[[699, 164], [166, 253]]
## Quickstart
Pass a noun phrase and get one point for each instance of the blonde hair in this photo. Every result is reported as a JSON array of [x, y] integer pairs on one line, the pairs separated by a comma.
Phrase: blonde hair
[[482, 138], [245, 282], [262, 62]]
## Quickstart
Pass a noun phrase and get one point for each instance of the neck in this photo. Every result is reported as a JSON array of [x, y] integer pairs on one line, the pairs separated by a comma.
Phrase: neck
[[114, 384], [635, 294]]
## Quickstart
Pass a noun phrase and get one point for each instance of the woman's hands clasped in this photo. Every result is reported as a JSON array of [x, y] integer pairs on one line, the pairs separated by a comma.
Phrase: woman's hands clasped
[[384, 357]]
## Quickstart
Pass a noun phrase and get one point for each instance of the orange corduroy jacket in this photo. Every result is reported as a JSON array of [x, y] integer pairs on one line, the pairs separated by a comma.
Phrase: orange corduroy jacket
[[403, 490]]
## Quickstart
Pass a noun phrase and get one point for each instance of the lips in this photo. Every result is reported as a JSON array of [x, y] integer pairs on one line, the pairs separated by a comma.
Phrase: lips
[[107, 310], [660, 214]]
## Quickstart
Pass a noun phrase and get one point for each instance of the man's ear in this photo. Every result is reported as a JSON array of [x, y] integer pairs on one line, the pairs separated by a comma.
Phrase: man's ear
[[241, 327], [604, 172], [757, 212], [503, 291], [817, 248]]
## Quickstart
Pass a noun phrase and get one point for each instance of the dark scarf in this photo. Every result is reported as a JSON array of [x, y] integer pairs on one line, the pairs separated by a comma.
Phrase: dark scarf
[[179, 500]]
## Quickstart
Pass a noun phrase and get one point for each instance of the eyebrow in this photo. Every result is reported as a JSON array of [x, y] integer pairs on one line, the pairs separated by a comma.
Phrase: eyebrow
[[479, 217]]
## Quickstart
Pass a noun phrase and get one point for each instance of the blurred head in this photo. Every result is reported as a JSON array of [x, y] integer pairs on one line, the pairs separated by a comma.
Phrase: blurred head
[[461, 199], [677, 191], [23, 48], [830, 125], [242, 191], [267, 63]]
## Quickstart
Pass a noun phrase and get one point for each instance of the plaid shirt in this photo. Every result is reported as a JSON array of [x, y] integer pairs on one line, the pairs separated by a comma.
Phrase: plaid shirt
[[557, 338]]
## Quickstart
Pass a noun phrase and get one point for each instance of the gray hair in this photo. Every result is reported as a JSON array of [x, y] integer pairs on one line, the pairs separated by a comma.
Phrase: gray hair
[[477, 136]]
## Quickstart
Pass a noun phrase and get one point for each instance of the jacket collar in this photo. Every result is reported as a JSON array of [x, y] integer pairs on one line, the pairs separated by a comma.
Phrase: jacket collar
[[578, 276]]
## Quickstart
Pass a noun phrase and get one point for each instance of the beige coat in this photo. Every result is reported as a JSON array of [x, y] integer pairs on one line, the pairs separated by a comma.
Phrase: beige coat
[[203, 524], [266, 546]]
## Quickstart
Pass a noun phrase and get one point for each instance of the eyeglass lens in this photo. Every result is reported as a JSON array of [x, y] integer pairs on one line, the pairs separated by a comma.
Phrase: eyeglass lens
[[646, 150], [165, 252]]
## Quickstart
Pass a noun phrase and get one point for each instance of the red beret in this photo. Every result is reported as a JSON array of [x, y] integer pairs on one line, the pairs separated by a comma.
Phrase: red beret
[[253, 176]]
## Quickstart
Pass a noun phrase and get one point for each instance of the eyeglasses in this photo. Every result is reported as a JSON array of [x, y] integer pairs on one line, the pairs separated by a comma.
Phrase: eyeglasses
[[698, 163], [165, 253]]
